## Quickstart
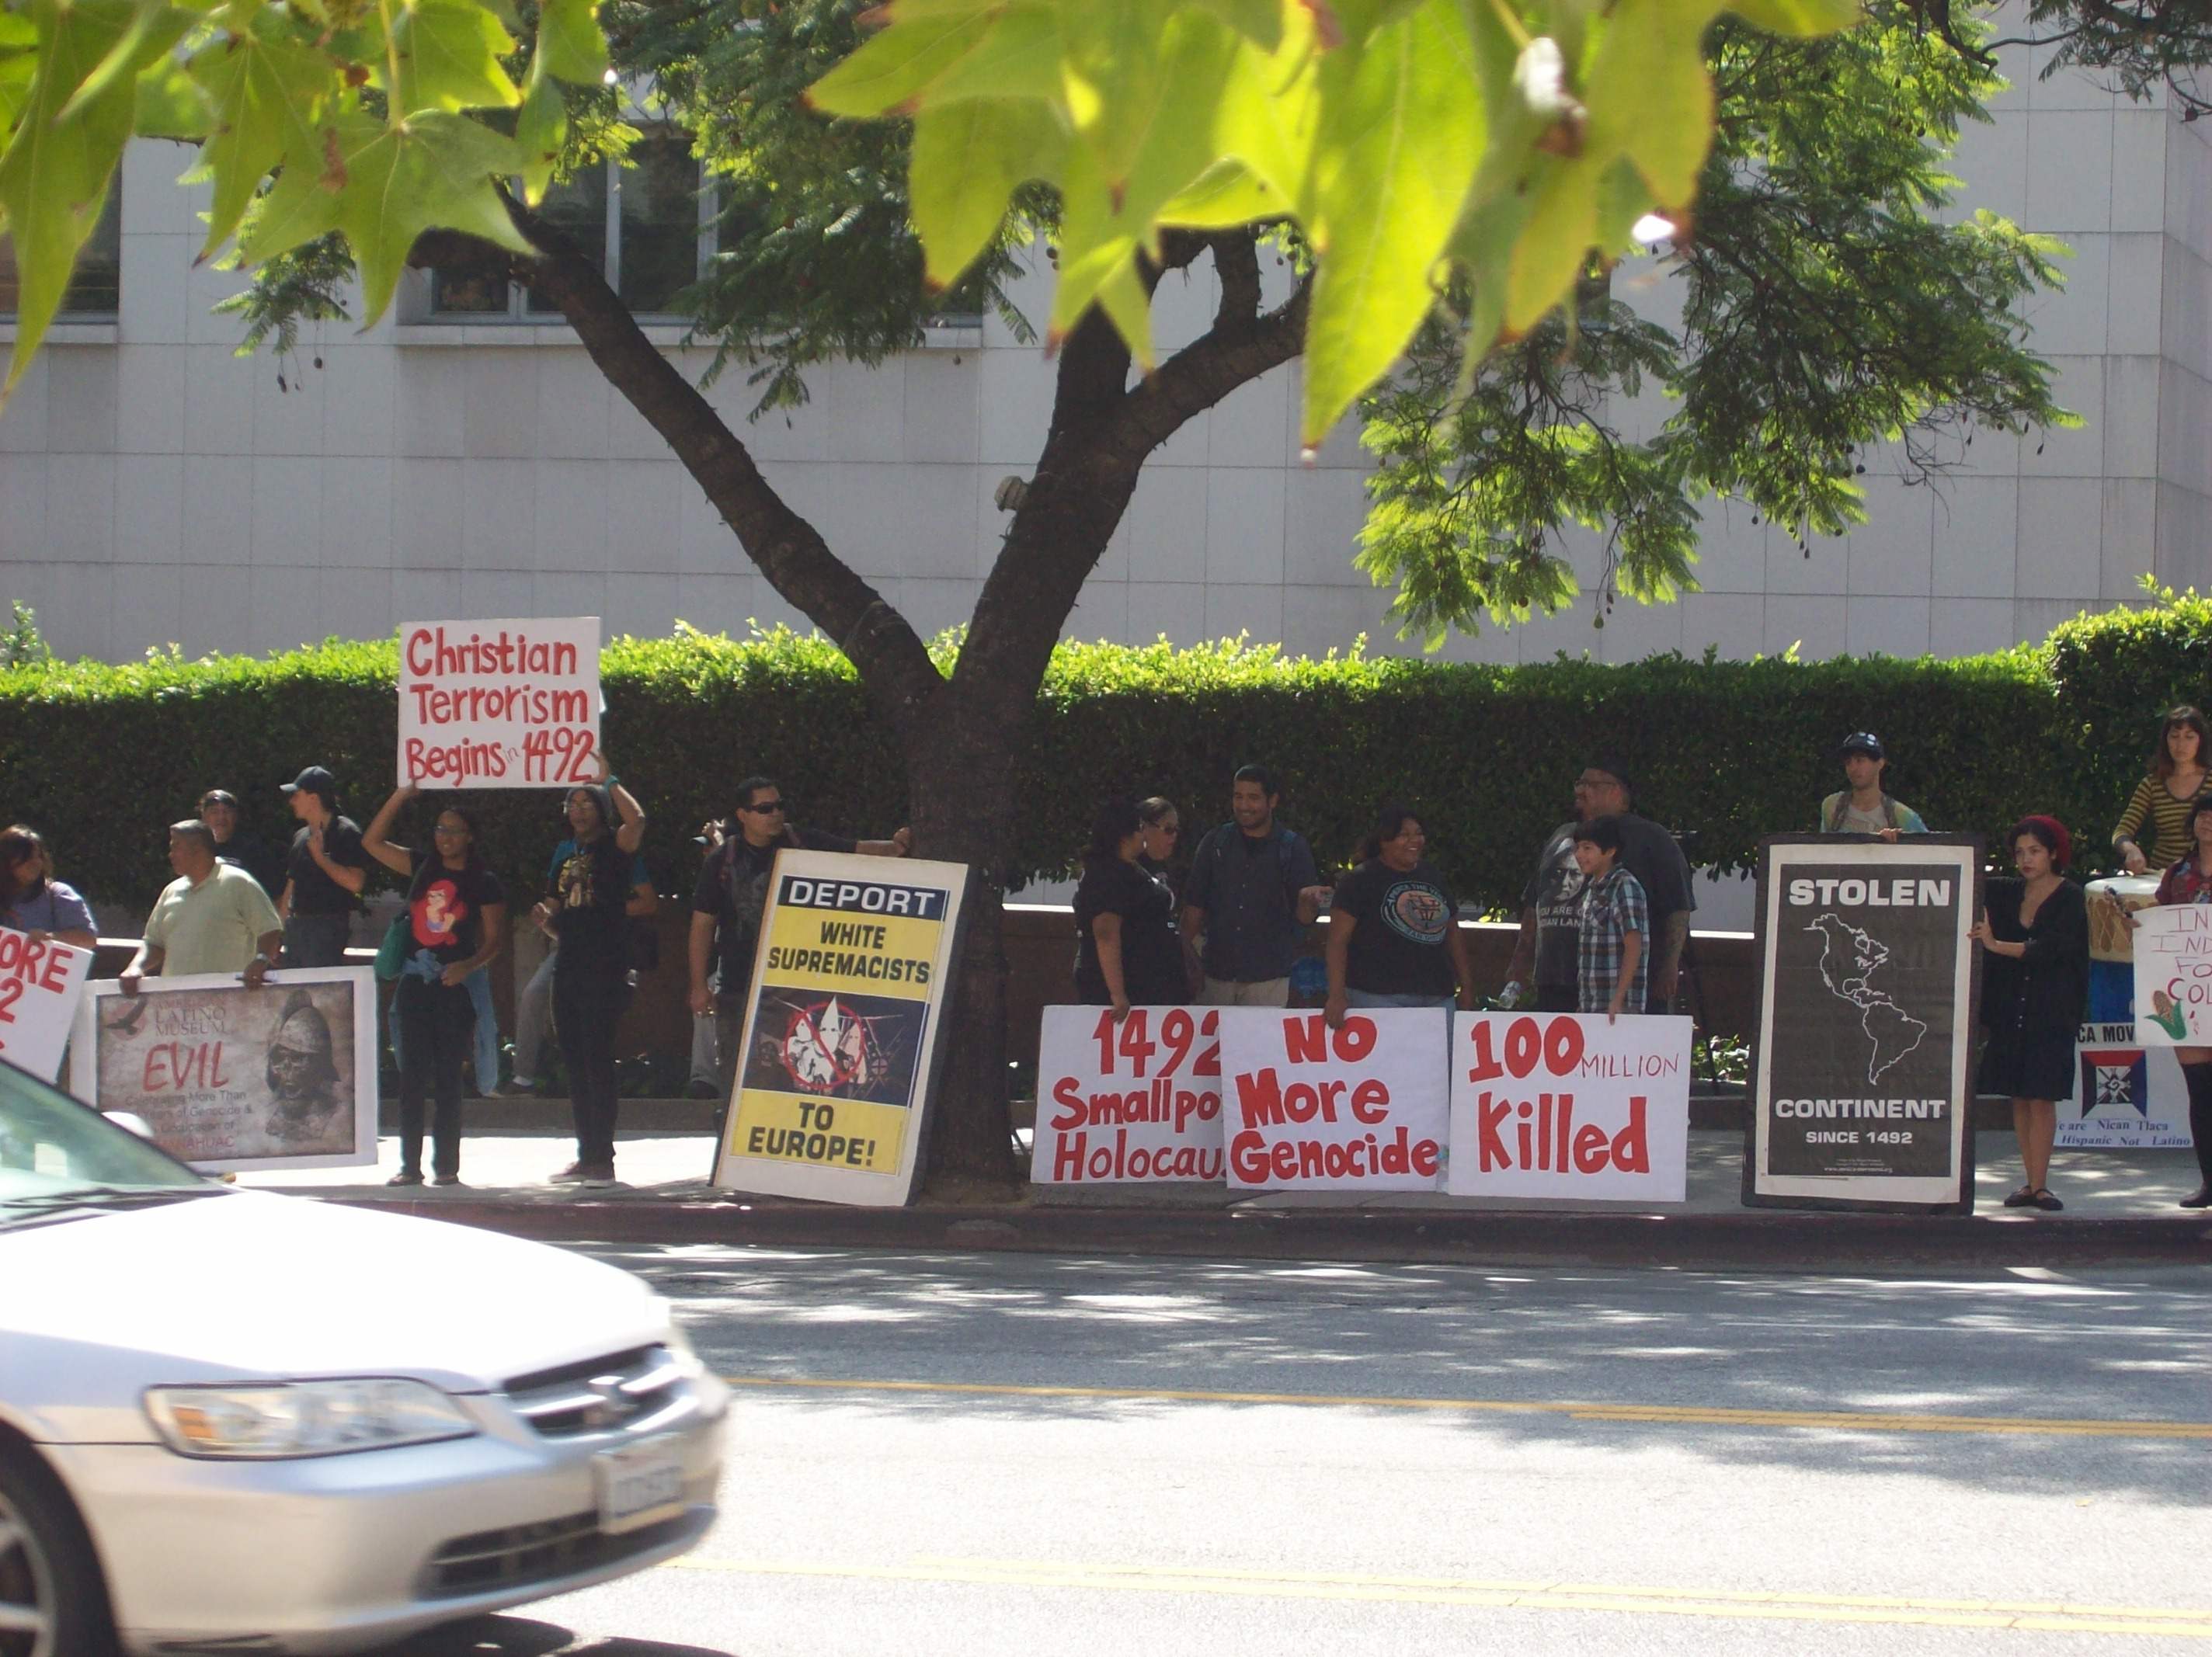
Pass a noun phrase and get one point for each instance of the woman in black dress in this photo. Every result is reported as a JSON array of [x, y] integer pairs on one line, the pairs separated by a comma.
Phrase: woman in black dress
[[2035, 988], [1126, 954]]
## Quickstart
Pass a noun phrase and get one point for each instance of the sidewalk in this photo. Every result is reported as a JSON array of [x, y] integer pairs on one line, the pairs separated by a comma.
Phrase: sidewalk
[[2120, 1206]]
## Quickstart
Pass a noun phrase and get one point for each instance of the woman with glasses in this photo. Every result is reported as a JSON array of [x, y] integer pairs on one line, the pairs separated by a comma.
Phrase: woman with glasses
[[456, 920], [31, 900], [1126, 954], [1160, 825]]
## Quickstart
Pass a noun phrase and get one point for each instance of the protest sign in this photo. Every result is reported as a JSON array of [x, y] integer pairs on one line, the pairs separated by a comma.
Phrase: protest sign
[[512, 704], [1570, 1106], [1861, 1094], [1362, 1108], [2129, 1097], [41, 982], [228, 1076], [1133, 1100], [841, 1045], [2174, 975]]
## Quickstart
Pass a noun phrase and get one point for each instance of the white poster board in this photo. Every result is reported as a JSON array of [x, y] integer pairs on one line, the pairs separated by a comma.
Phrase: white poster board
[[1570, 1107], [2174, 975], [509, 704], [1132, 1101], [843, 1027], [41, 982], [229, 1078], [2128, 1097], [1361, 1108]]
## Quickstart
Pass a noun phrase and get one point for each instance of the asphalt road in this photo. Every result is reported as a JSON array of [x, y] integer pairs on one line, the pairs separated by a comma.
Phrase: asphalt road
[[1085, 1458]]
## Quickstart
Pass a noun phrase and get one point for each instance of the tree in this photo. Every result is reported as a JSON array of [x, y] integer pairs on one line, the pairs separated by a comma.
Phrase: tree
[[1441, 172]]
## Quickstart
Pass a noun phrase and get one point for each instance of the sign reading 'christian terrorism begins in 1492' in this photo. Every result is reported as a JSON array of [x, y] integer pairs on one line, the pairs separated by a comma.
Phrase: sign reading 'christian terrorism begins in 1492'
[[1860, 1089]]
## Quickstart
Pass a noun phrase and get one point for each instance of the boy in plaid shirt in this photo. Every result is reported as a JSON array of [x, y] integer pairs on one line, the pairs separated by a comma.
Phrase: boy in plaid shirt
[[1616, 926]]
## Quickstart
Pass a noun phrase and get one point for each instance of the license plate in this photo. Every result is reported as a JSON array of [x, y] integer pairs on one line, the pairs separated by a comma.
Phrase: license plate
[[638, 1486]]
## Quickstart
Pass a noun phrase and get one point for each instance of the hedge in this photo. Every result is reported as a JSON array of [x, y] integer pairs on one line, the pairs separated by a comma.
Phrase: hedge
[[102, 757]]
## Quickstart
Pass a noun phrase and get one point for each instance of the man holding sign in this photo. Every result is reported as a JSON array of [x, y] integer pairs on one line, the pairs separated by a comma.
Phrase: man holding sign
[[213, 918]]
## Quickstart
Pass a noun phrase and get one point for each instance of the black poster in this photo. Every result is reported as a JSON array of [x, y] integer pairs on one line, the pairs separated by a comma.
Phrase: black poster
[[1861, 1087]]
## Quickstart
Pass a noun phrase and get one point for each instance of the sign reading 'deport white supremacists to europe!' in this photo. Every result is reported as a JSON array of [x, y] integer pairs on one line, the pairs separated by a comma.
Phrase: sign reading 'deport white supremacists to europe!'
[[1128, 1101], [511, 704], [1570, 1106], [1361, 1108], [844, 1029], [1861, 1091]]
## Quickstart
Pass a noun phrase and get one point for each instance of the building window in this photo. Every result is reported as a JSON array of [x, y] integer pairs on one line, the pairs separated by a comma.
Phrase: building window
[[95, 287], [649, 225]]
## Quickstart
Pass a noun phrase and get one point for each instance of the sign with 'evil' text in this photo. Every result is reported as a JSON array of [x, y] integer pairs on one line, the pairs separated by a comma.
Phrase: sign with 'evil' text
[[1570, 1105], [1357, 1108], [511, 704], [1132, 1098]]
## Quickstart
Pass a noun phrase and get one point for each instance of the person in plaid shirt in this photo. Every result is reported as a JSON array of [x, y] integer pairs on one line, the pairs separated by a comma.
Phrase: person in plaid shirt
[[1616, 926]]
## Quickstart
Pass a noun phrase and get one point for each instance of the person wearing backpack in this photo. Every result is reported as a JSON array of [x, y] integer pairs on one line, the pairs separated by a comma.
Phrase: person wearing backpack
[[1863, 808], [1253, 891]]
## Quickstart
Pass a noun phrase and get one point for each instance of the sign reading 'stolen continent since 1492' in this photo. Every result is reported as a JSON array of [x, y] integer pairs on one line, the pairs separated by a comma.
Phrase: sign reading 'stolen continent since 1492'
[[1861, 1091]]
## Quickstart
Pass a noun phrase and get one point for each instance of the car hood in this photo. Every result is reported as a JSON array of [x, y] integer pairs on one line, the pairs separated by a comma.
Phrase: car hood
[[250, 1285]]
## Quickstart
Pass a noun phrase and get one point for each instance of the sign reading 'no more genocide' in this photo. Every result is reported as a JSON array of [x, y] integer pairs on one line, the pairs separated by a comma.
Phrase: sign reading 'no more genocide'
[[1360, 1107], [1860, 1090], [512, 704]]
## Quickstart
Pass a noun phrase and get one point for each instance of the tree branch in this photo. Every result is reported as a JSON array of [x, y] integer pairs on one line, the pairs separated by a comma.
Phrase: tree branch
[[1225, 356], [1236, 263]]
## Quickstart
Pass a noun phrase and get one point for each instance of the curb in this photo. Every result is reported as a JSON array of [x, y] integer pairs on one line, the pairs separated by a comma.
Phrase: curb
[[1764, 1240]]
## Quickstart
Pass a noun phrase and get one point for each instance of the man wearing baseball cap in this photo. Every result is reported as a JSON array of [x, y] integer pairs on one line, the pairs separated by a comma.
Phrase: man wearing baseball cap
[[323, 876], [1863, 808]]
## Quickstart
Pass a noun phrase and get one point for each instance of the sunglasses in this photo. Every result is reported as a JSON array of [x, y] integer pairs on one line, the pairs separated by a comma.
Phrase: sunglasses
[[764, 808]]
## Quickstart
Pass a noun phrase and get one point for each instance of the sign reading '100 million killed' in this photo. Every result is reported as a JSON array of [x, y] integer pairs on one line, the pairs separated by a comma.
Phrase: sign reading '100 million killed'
[[1860, 1090]]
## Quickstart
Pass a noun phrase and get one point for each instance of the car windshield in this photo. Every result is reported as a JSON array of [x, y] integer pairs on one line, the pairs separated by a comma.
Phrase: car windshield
[[58, 1156]]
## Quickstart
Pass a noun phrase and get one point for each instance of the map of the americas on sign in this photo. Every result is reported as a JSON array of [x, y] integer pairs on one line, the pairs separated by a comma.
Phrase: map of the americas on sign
[[1850, 957]]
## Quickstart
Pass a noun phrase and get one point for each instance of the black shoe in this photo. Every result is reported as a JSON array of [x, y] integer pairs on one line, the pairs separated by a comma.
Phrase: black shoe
[[2044, 1200], [701, 1090], [2202, 1199], [445, 1179], [2023, 1197], [405, 1176]]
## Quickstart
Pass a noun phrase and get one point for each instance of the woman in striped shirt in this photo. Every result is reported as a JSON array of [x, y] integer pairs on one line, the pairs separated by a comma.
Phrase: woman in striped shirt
[[2163, 797]]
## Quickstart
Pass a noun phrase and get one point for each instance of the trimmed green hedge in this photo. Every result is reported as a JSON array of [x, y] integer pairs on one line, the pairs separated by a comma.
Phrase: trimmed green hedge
[[102, 757]]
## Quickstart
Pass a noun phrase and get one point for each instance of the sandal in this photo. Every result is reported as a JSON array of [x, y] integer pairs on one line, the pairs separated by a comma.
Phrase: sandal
[[2045, 1201], [2023, 1197]]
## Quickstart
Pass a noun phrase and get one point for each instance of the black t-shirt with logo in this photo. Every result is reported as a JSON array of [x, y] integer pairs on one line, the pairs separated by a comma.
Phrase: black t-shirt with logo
[[445, 909], [313, 892], [1401, 920], [733, 888], [1647, 851], [1151, 958]]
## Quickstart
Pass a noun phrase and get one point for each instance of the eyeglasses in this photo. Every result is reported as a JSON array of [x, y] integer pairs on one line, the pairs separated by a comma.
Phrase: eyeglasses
[[455, 828], [1166, 827], [1596, 779], [765, 808]]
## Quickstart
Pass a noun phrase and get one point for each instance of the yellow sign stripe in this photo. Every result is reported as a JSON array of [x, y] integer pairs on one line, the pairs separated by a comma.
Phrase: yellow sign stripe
[[1875, 1421], [2028, 1616]]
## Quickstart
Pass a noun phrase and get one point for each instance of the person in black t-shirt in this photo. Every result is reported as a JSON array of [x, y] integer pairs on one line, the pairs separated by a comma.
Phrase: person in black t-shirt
[[1127, 953], [456, 921], [732, 891], [324, 876], [1393, 937], [238, 846]]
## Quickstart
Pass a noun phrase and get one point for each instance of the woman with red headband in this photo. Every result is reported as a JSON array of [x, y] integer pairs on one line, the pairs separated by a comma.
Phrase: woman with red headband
[[2035, 988]]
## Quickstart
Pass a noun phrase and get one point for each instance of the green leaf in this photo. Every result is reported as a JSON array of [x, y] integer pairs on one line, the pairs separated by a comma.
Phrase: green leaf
[[1018, 57], [1557, 238], [170, 105], [1622, 197], [1799, 17], [1260, 21], [968, 159], [1225, 195], [1649, 96], [571, 45], [154, 27], [265, 88], [896, 64], [449, 53], [1395, 155], [540, 130]]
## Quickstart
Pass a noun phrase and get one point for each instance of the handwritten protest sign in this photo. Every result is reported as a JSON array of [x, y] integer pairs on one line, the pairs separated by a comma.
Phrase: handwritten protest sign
[[1569, 1106], [1360, 1107], [41, 982], [512, 704], [2174, 975], [1134, 1100]]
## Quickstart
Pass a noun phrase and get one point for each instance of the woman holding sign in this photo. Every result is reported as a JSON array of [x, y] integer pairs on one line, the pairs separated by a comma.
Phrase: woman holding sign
[[456, 920], [2034, 991], [1393, 940], [2189, 881]]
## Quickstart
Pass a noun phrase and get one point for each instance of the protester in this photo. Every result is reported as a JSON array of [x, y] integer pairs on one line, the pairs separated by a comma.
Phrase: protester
[[2163, 797], [1612, 942], [2188, 879], [705, 1079], [323, 875], [456, 920], [31, 900], [534, 1020], [732, 894], [1253, 888], [595, 881], [1394, 939], [1161, 825], [1863, 808], [240, 847], [1551, 913], [212, 918], [2035, 989], [1126, 951]]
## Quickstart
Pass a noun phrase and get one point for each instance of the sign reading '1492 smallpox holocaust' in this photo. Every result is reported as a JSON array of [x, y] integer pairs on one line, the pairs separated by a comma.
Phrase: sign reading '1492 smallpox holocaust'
[[1860, 1086], [1128, 1100], [507, 704]]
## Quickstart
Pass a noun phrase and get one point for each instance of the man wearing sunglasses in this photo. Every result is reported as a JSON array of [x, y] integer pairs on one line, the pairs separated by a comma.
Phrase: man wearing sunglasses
[[726, 909]]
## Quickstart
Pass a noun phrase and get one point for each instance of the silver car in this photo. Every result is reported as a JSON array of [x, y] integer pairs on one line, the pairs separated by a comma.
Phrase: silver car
[[232, 1420]]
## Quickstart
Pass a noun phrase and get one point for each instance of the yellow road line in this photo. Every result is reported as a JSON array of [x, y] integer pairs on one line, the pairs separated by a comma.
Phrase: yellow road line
[[1728, 1604], [1877, 1421]]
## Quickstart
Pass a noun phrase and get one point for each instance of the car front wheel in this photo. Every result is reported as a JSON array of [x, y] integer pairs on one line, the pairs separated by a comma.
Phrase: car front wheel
[[52, 1601]]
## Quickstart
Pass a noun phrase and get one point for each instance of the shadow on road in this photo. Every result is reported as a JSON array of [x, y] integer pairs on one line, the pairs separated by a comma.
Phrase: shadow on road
[[522, 1636]]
